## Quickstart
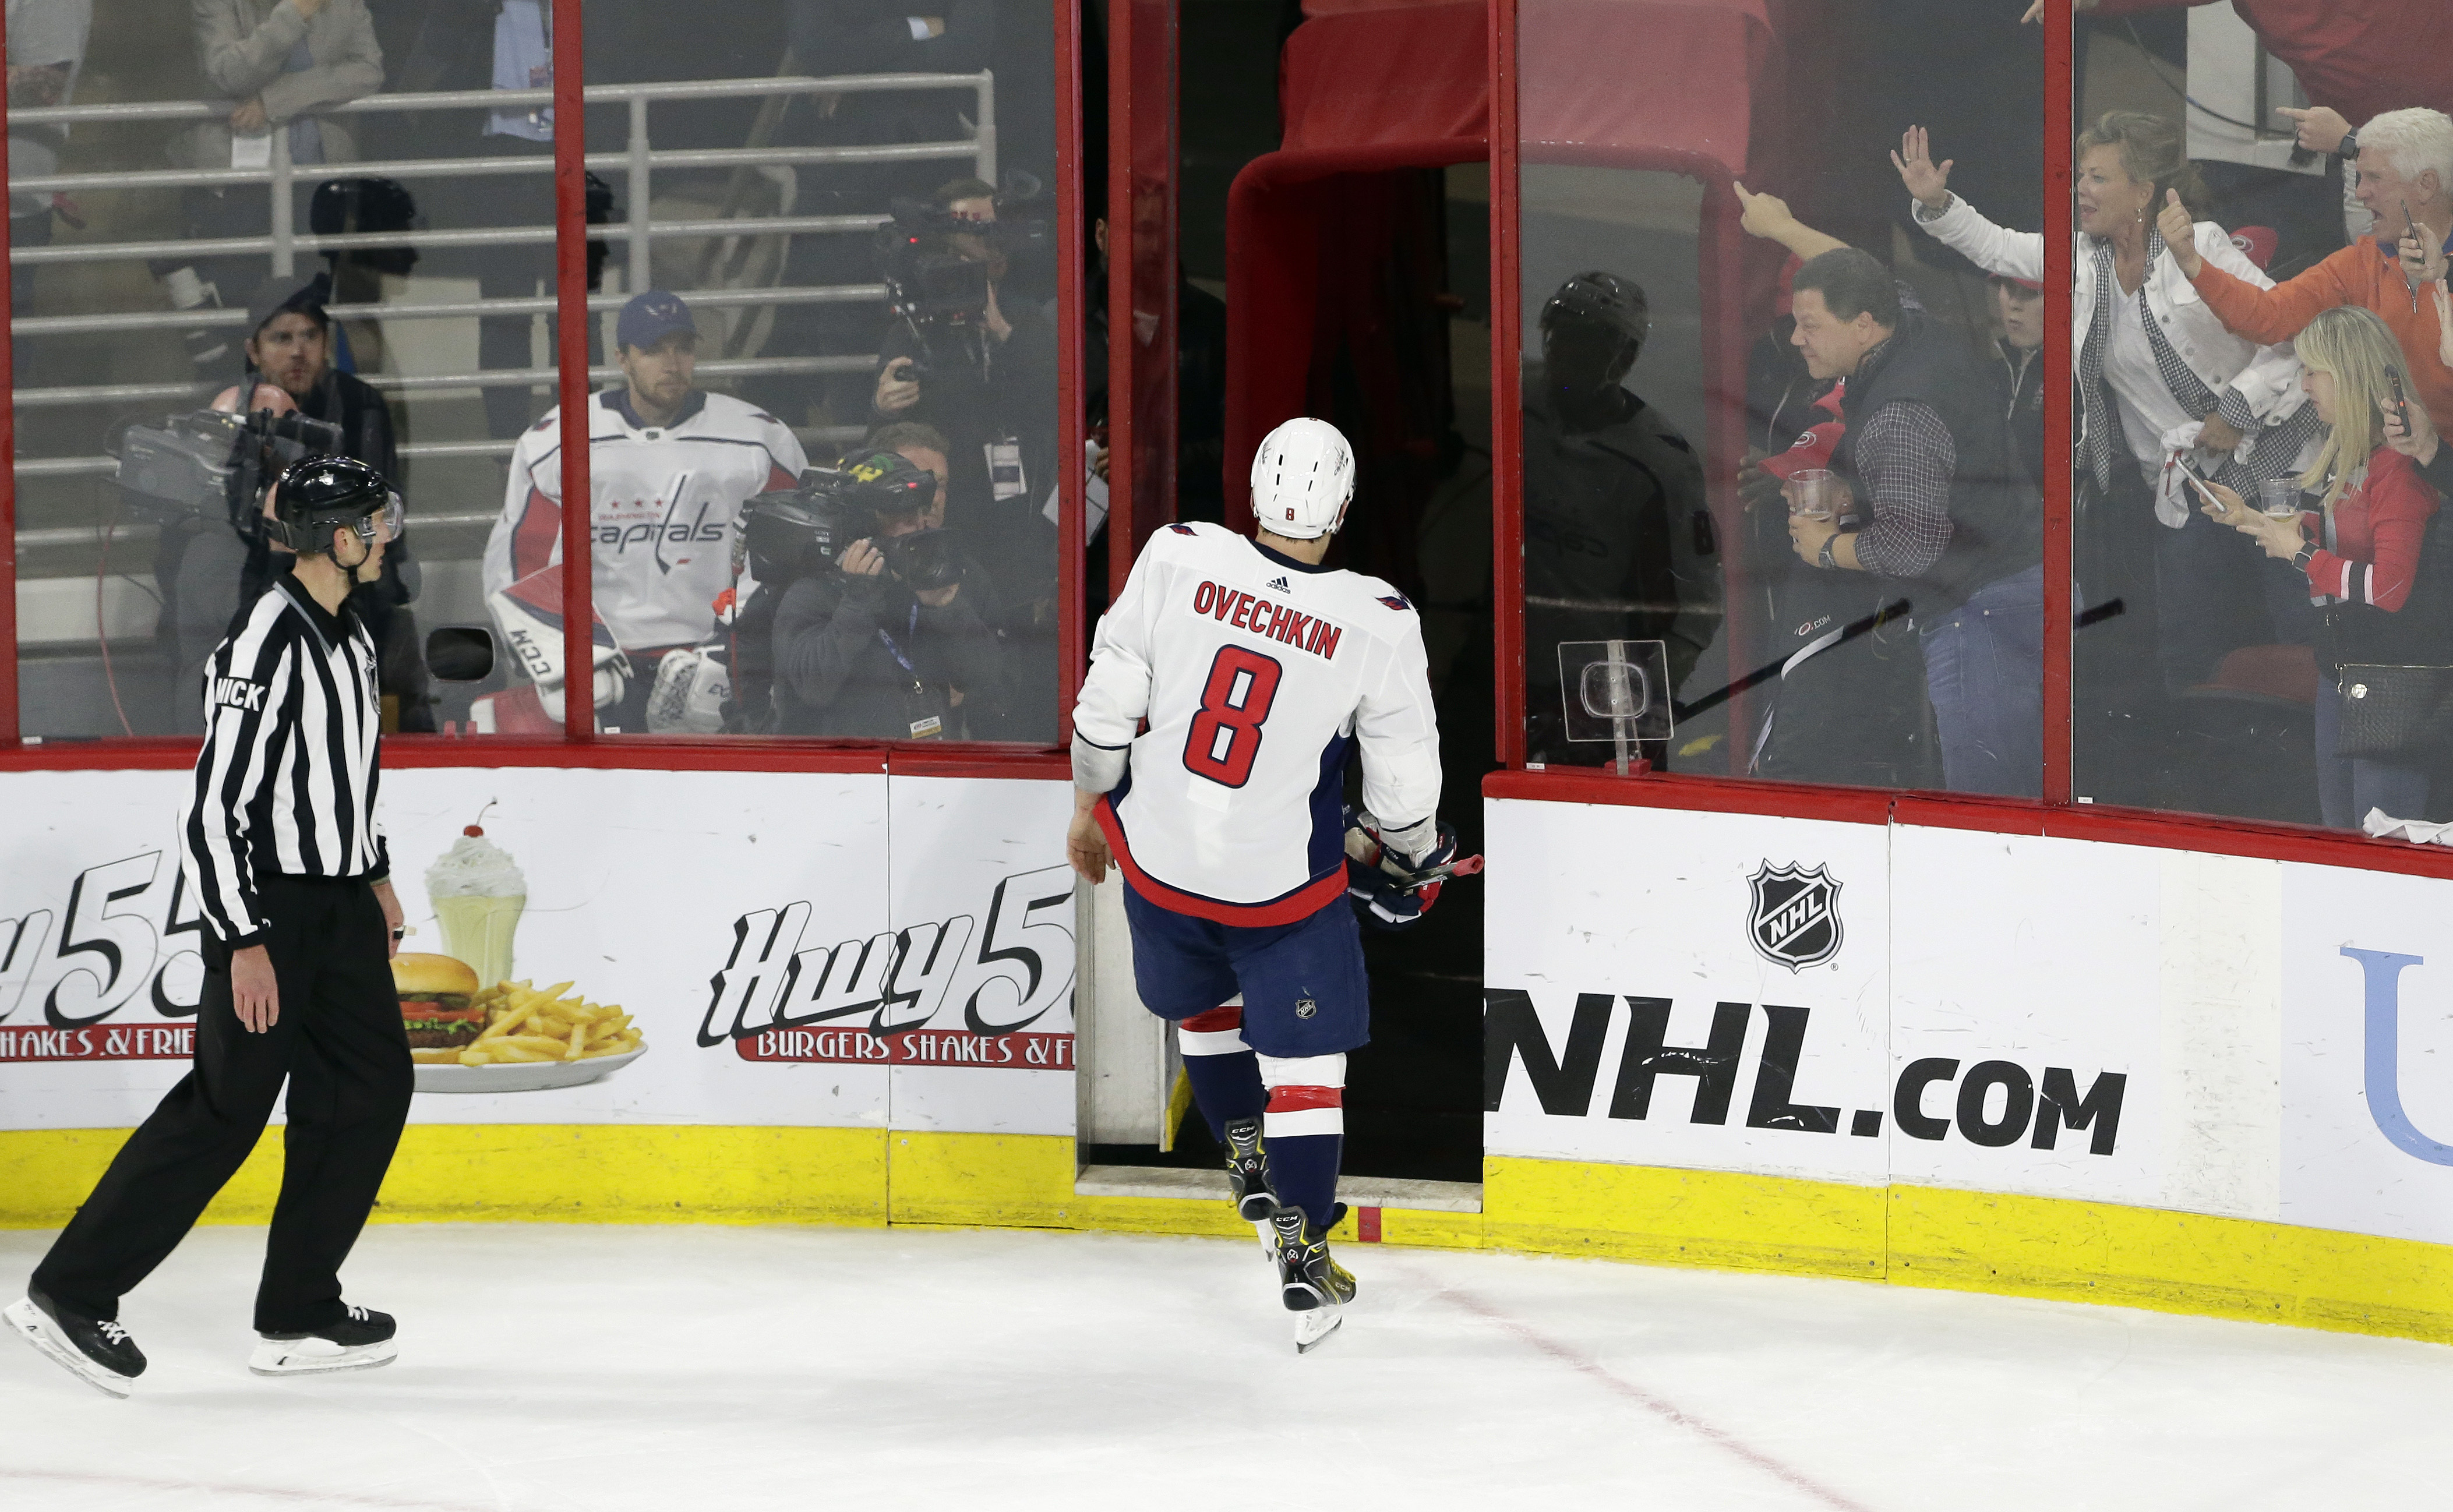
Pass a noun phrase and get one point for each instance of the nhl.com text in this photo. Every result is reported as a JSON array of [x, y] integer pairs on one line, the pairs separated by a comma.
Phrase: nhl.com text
[[1987, 1103]]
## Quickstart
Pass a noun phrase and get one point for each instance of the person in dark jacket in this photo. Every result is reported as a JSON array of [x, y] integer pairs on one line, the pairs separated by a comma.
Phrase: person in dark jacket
[[888, 640], [1613, 499], [1953, 522], [211, 572]]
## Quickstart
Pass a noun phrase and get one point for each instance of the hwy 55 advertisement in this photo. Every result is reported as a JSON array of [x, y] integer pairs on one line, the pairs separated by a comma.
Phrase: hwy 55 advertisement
[[664, 947]]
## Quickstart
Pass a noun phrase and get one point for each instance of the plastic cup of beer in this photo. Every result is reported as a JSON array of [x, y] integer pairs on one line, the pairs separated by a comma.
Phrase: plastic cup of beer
[[2279, 497], [1814, 494]]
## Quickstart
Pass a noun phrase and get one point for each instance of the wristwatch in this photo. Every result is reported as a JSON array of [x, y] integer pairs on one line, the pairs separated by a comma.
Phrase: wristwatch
[[1822, 558], [2350, 146], [2299, 562]]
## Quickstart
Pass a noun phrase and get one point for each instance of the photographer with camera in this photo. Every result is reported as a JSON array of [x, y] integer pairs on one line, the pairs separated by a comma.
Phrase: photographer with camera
[[958, 359], [876, 625]]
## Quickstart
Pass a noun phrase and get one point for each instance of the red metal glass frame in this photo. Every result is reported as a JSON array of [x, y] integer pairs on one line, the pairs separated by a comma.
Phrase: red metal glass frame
[[579, 744], [2057, 812]]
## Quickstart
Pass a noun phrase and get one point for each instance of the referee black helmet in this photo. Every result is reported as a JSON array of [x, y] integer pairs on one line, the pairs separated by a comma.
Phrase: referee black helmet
[[1600, 312], [323, 494]]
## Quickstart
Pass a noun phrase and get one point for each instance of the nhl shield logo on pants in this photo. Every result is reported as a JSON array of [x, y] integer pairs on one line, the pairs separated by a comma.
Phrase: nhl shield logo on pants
[[1796, 918]]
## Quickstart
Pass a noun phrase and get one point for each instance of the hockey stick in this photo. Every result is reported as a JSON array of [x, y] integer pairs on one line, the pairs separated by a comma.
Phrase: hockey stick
[[1896, 609]]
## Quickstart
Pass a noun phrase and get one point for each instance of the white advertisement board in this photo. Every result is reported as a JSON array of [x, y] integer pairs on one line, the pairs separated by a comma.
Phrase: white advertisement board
[[1687, 990], [784, 962], [2009, 1013], [2368, 1062]]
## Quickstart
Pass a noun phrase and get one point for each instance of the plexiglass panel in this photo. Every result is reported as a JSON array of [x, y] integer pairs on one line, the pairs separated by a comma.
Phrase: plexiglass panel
[[825, 422], [2271, 646], [820, 236], [1772, 423]]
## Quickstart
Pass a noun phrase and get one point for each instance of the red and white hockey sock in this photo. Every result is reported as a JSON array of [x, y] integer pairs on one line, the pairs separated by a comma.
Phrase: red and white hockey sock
[[1305, 1130], [1226, 1075]]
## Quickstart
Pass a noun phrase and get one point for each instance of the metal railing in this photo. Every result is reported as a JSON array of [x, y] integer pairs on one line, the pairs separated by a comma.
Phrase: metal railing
[[638, 162]]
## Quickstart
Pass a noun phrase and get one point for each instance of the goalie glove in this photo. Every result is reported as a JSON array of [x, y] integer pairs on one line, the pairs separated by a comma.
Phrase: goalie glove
[[692, 685], [1389, 892], [530, 615]]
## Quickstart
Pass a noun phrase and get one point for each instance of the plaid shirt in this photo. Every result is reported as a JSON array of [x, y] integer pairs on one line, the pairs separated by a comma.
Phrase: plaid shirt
[[1907, 458]]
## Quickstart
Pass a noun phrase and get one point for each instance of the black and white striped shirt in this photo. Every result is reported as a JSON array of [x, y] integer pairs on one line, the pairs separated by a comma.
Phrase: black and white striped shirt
[[285, 782]]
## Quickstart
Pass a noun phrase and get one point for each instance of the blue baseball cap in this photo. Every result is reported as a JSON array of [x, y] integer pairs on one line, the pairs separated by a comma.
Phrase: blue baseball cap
[[650, 317]]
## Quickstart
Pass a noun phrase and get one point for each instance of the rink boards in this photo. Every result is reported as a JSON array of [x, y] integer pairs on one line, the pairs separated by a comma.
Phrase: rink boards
[[1894, 1051]]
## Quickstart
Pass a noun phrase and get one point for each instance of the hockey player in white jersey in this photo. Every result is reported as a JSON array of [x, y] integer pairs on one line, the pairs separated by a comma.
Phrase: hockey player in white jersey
[[1228, 686], [669, 466]]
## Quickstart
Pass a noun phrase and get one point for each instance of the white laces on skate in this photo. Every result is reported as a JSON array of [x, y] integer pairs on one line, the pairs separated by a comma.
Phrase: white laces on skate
[[112, 1332], [356, 1314]]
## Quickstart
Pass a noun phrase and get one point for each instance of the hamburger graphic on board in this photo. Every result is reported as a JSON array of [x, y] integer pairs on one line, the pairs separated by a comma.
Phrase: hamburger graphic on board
[[471, 1027]]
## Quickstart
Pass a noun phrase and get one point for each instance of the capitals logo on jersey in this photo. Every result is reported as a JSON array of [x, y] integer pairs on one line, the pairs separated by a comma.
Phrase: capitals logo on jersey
[[664, 502]]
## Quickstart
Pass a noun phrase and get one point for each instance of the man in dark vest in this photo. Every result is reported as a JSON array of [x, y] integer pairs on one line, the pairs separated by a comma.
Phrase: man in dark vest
[[1953, 521]]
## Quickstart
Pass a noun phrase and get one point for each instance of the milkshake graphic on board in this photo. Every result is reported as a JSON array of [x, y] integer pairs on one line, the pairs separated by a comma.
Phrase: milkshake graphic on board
[[477, 892]]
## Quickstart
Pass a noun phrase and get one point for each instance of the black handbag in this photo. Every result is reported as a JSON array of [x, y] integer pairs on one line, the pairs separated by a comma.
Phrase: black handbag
[[2394, 713]]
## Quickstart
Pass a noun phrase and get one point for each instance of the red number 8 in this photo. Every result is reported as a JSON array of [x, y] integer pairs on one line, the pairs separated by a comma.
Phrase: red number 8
[[1222, 711]]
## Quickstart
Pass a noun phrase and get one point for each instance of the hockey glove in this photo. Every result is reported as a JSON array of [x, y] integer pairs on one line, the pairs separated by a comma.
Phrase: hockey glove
[[1387, 891]]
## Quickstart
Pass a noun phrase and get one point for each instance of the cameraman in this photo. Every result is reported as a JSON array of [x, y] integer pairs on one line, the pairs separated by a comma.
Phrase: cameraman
[[288, 346], [982, 375], [885, 641]]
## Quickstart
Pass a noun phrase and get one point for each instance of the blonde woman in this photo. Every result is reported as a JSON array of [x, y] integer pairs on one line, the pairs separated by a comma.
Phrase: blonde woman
[[2360, 550], [2159, 377]]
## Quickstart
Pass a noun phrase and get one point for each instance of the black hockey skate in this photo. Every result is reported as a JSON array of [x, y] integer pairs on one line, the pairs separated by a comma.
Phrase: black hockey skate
[[1248, 1171], [1314, 1287], [95, 1350], [1248, 1181], [361, 1341]]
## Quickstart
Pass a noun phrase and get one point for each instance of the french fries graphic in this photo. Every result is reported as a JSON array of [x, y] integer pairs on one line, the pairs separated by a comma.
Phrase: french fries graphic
[[527, 1024]]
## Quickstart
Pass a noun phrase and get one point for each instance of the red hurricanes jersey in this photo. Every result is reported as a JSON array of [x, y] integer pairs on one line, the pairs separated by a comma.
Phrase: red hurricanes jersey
[[1257, 676]]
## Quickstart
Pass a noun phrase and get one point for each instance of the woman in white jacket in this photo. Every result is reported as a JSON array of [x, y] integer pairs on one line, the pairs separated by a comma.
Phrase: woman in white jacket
[[2160, 380]]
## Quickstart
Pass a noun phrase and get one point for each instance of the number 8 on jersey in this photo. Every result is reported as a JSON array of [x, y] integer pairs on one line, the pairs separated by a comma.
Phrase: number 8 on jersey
[[1226, 734]]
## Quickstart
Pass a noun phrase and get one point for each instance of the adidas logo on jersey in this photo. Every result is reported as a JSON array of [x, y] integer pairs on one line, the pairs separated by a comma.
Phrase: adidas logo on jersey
[[1281, 585]]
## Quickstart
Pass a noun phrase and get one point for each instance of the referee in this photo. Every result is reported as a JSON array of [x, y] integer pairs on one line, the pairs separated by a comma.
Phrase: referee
[[280, 846]]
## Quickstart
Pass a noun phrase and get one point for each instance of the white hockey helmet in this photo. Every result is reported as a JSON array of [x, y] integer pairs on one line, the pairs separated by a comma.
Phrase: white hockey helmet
[[1303, 479]]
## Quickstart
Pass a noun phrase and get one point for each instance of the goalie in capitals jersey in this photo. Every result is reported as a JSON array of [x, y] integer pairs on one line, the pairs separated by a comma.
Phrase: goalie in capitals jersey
[[669, 466], [1250, 674]]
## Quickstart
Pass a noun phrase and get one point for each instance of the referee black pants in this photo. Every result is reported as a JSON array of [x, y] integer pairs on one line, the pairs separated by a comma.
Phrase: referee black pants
[[340, 1045]]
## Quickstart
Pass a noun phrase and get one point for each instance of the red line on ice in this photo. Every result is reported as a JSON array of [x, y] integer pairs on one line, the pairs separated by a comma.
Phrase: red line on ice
[[1669, 1411]]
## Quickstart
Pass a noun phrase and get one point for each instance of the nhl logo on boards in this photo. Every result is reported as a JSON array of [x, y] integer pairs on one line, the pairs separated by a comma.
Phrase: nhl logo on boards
[[1796, 918], [1305, 1007]]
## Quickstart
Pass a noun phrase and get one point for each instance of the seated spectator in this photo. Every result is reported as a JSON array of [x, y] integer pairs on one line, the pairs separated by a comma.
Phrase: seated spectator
[[2405, 181], [882, 639], [283, 65], [46, 51], [1952, 524], [2369, 556], [2160, 380], [670, 466]]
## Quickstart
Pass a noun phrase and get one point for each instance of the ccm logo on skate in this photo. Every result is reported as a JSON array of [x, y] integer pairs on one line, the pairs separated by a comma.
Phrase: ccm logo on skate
[[781, 996], [1998, 1103], [1270, 622]]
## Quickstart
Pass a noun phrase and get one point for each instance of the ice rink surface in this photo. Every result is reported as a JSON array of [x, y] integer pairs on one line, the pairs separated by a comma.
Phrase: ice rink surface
[[678, 1369]]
